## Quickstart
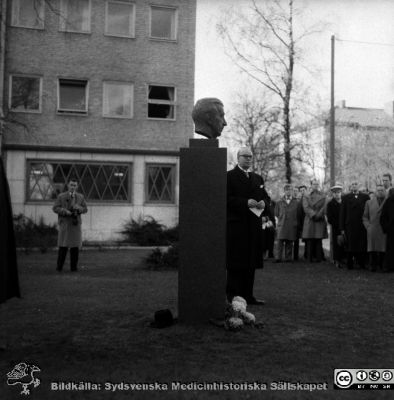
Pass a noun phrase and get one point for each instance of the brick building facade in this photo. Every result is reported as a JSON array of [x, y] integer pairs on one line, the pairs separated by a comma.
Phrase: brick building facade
[[100, 90]]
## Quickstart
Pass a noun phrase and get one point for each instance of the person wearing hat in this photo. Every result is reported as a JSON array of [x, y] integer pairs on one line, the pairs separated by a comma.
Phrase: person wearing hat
[[351, 224], [333, 213]]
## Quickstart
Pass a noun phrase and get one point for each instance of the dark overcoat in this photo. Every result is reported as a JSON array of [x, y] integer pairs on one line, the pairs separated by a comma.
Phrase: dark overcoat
[[244, 228], [333, 213], [387, 224], [371, 219], [288, 218], [351, 221], [9, 282], [70, 235]]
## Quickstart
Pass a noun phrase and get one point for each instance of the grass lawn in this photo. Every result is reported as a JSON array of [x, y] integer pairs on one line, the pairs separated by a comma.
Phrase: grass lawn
[[94, 326]]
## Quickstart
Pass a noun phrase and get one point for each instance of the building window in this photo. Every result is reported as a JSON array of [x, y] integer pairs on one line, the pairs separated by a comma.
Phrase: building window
[[160, 183], [97, 182], [163, 23], [28, 14], [25, 93], [73, 96], [161, 102], [120, 19], [118, 99], [75, 16]]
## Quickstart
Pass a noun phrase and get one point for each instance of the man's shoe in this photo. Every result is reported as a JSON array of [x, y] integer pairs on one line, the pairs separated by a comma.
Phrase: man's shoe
[[58, 269], [277, 261], [256, 302]]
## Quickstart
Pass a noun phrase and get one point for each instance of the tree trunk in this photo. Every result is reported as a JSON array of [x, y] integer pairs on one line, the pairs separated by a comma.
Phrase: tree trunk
[[287, 97]]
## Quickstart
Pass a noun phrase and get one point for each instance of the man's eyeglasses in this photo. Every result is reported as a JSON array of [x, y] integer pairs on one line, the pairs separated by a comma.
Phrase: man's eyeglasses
[[246, 156]]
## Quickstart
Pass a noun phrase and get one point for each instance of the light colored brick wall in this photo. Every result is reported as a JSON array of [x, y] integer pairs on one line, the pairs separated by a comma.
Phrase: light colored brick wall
[[97, 57], [102, 221]]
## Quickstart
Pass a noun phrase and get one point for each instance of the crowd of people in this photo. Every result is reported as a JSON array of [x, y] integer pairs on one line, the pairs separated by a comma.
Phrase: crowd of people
[[360, 225]]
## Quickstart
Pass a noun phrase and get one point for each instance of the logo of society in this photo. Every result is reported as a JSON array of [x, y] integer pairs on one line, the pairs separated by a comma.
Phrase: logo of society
[[23, 374]]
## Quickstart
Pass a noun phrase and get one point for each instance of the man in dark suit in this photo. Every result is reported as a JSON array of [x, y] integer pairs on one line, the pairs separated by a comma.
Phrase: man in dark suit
[[351, 225], [246, 201], [69, 206]]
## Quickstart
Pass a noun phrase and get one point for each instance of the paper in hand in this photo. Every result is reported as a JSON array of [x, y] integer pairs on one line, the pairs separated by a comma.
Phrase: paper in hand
[[256, 211]]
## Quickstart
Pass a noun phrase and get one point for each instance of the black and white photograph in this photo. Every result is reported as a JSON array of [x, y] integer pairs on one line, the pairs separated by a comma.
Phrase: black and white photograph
[[196, 199]]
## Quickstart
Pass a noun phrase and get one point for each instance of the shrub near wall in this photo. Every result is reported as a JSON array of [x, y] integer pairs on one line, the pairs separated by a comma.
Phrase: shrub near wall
[[146, 231], [29, 234]]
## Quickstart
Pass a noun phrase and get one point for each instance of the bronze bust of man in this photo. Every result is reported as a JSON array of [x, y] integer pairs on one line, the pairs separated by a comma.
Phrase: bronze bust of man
[[208, 117]]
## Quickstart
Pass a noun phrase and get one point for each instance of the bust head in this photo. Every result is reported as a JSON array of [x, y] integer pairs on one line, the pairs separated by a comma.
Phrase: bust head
[[208, 117]]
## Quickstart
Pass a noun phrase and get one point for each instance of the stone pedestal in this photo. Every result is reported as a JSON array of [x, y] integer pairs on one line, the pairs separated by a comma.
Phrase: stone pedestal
[[202, 223]]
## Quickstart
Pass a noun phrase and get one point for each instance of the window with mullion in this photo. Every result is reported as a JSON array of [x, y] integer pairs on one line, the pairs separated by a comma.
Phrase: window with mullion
[[160, 183], [97, 182], [161, 102]]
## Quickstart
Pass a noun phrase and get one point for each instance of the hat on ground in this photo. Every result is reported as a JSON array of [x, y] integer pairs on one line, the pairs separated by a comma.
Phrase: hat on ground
[[336, 188], [163, 319]]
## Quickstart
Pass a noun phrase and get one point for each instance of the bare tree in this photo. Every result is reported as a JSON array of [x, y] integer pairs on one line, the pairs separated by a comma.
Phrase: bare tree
[[262, 40], [255, 124]]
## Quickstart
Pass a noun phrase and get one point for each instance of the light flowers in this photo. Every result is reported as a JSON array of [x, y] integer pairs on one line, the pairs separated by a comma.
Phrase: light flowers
[[237, 316]]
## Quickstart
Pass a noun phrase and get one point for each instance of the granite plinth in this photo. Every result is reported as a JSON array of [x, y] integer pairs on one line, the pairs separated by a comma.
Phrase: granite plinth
[[202, 224]]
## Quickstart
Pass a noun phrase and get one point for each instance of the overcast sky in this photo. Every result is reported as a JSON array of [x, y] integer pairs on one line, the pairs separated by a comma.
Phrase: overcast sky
[[364, 73]]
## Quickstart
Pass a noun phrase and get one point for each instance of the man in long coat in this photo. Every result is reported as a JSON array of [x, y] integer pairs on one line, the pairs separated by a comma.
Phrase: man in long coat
[[351, 224], [69, 206], [246, 200], [375, 235], [287, 212], [315, 226], [387, 224], [333, 213]]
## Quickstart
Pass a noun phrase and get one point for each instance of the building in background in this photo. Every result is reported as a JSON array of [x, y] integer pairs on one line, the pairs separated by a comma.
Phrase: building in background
[[102, 91], [364, 139]]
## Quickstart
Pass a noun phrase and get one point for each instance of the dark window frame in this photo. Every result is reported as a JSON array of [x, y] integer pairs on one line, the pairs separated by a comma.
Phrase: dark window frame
[[70, 111]]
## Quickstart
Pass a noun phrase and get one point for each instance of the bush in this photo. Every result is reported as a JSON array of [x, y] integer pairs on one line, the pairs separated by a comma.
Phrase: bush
[[28, 234], [146, 231], [168, 259]]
